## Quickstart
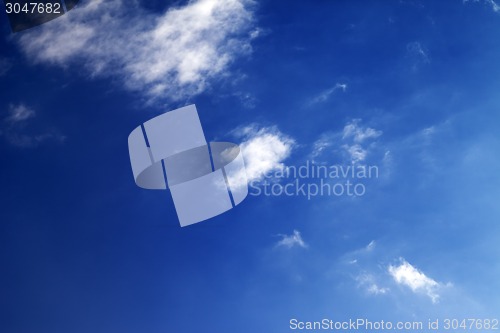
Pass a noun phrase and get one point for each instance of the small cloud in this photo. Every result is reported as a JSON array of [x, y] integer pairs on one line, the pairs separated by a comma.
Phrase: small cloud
[[325, 95], [355, 135], [492, 3], [359, 133], [264, 150], [368, 283], [19, 131], [5, 66], [355, 141], [356, 152], [418, 54], [247, 100], [19, 113], [319, 146], [293, 240], [360, 254], [23, 140], [407, 275], [370, 246]]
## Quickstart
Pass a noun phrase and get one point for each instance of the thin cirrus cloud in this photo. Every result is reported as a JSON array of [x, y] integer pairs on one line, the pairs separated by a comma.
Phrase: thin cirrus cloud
[[355, 140], [5, 66], [495, 6], [291, 241], [407, 275], [359, 133], [418, 55], [19, 113], [325, 95], [368, 282], [170, 56], [19, 131], [361, 268]]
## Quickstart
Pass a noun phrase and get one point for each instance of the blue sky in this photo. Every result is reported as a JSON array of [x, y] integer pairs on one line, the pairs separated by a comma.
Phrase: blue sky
[[408, 86]]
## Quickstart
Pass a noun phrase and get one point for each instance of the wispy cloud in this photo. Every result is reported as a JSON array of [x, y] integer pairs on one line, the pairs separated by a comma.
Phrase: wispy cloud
[[19, 113], [407, 275], [370, 246], [359, 133], [418, 54], [5, 66], [326, 141], [18, 130], [492, 3], [170, 56], [325, 95], [355, 135], [264, 149], [368, 282], [293, 240], [355, 256], [355, 140]]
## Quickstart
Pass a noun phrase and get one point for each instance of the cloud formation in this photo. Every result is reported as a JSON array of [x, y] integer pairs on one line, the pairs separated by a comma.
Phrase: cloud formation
[[293, 240], [355, 136], [5, 66], [19, 113], [355, 141], [171, 56], [368, 282], [492, 3], [359, 133], [325, 95], [417, 54], [18, 130], [407, 275], [264, 150]]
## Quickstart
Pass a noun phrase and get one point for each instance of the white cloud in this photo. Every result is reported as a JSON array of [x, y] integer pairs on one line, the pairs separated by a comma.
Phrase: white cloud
[[418, 54], [325, 95], [264, 150], [326, 140], [371, 246], [355, 140], [5, 66], [172, 56], [359, 133], [355, 135], [289, 241], [369, 284], [492, 3], [19, 113], [360, 254], [18, 129], [23, 140], [407, 275], [356, 152]]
